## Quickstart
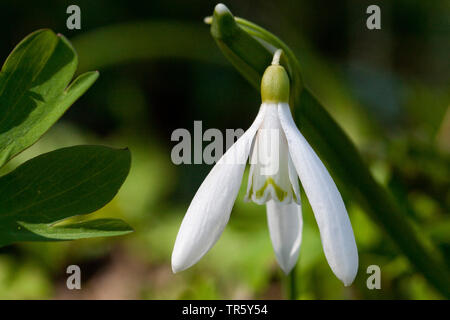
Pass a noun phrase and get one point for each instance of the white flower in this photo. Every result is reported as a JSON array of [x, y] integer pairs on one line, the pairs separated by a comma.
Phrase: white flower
[[273, 180]]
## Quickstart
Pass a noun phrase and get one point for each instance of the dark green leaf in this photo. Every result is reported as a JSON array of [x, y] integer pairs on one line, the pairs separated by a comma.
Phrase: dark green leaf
[[57, 185]]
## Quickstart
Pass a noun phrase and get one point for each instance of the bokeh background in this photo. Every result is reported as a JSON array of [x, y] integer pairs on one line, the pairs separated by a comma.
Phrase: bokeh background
[[160, 70]]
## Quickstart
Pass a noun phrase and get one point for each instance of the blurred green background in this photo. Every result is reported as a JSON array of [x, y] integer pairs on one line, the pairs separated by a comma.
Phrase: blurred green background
[[160, 70]]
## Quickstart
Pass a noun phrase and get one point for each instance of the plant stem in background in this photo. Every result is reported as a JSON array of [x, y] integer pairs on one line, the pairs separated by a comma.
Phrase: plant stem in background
[[292, 285]]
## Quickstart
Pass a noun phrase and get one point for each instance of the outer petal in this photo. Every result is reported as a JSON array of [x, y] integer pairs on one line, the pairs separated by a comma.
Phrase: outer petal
[[335, 229], [210, 209], [285, 226]]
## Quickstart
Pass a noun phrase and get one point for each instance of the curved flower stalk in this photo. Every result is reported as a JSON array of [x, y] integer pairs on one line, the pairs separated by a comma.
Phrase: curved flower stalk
[[279, 156]]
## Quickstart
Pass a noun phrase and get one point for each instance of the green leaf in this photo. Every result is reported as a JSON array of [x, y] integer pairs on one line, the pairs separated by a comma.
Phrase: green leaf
[[80, 230], [329, 141], [61, 184], [34, 91]]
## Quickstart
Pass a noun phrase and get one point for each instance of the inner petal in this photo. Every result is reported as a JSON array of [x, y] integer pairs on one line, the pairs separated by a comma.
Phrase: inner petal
[[270, 176]]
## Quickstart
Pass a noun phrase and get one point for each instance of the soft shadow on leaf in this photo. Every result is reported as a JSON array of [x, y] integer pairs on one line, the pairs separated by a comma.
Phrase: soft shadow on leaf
[[33, 93]]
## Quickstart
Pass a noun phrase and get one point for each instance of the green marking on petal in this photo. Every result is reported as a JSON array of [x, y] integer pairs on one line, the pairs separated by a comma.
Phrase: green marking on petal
[[281, 194]]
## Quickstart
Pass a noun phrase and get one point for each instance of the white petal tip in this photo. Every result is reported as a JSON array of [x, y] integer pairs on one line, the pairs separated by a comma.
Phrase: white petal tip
[[285, 226], [286, 271], [177, 265], [286, 266], [176, 268], [348, 282]]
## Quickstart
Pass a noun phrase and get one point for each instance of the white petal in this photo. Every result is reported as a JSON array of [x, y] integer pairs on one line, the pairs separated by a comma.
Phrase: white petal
[[335, 229], [210, 209], [285, 226]]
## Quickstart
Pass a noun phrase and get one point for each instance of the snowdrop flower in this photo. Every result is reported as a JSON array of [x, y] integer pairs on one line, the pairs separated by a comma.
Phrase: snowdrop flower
[[292, 158]]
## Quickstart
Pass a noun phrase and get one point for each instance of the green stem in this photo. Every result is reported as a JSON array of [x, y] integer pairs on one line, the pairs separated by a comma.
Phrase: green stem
[[292, 285]]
